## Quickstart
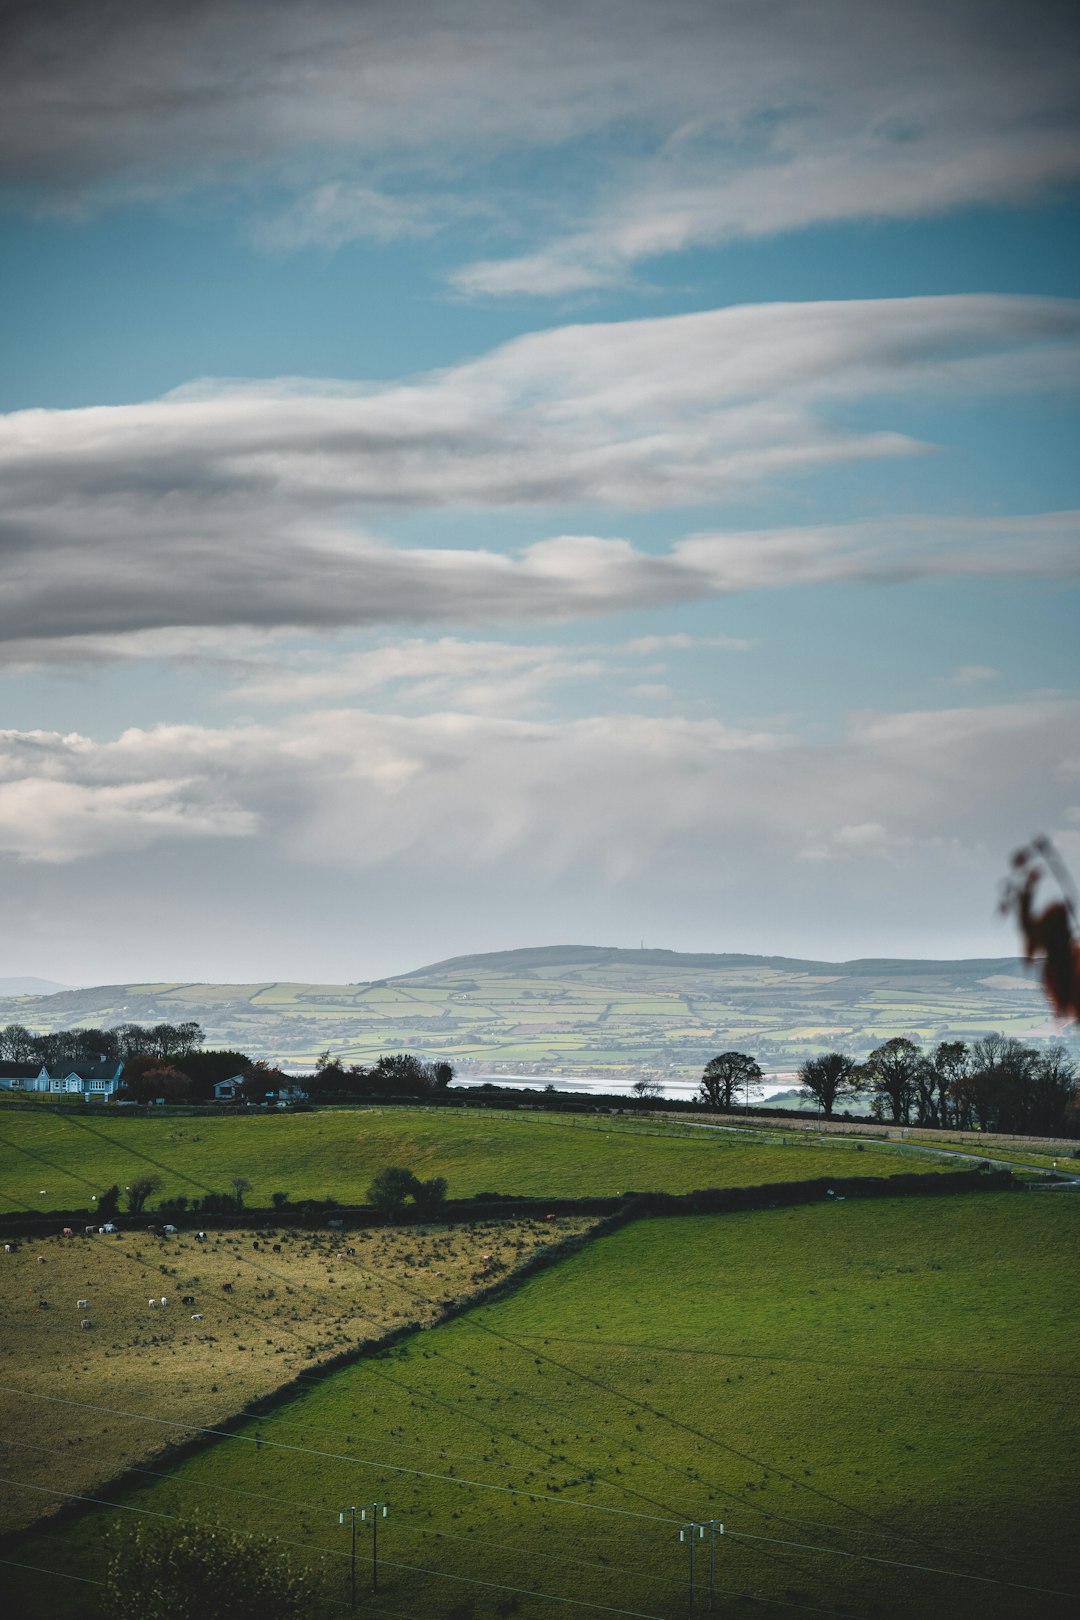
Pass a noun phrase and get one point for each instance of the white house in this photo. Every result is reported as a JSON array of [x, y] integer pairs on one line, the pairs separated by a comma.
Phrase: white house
[[87, 1078], [228, 1091]]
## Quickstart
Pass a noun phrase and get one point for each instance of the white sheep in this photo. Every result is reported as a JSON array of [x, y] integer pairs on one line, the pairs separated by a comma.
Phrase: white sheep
[[85, 1323], [152, 1304], [81, 1304], [164, 1302], [197, 1317]]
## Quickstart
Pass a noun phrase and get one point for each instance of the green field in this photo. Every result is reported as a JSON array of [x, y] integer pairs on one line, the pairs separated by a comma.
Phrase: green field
[[579, 1010], [895, 1380], [288, 1308], [56, 1160]]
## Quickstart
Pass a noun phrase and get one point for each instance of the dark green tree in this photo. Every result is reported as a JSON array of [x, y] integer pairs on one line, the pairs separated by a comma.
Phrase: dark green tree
[[727, 1075], [891, 1071], [949, 1062], [197, 1571], [828, 1077], [142, 1188], [390, 1189], [109, 1202], [430, 1196]]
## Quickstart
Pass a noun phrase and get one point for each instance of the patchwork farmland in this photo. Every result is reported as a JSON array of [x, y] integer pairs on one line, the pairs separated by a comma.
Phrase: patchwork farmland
[[577, 1010]]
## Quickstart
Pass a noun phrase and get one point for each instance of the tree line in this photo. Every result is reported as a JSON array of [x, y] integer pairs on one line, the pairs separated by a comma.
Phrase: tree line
[[118, 1045], [168, 1060], [995, 1083]]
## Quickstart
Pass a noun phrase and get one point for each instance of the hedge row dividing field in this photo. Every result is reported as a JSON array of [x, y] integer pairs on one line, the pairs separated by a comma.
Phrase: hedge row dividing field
[[58, 1160], [199, 1329], [867, 1393]]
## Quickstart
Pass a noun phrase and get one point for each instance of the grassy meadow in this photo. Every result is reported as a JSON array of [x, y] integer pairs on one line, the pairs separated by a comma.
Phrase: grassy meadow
[[57, 1160], [894, 1380], [295, 1298]]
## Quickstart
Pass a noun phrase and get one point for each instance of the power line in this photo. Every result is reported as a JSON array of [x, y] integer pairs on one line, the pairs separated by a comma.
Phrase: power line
[[337, 1456], [813, 1361], [536, 1496], [894, 1563], [331, 1552], [479, 1325]]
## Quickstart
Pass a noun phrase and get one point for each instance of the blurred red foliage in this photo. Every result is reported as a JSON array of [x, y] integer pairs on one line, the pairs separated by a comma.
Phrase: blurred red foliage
[[1050, 935]]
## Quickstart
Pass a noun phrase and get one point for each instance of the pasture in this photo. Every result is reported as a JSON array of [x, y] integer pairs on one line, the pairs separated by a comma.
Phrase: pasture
[[876, 1398], [61, 1160], [262, 1307]]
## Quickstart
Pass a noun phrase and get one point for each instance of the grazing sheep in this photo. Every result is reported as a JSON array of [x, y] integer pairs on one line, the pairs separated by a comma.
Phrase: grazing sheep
[[41, 1259], [85, 1323], [197, 1316], [152, 1304], [68, 1232], [81, 1304], [164, 1302], [8, 1249], [277, 1248], [200, 1237]]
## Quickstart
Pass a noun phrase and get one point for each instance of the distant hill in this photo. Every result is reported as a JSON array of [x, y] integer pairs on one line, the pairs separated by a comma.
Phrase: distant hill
[[30, 987], [542, 956], [584, 1010]]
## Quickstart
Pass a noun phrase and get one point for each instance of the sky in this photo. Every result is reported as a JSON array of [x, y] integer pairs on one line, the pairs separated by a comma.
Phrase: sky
[[490, 473]]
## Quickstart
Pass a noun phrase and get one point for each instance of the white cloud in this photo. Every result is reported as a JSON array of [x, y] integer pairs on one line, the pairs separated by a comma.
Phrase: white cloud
[[237, 505], [724, 118], [340, 211], [974, 674], [628, 797]]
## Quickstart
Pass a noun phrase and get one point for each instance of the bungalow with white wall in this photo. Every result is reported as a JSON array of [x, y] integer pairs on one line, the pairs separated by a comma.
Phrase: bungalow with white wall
[[228, 1091], [90, 1079]]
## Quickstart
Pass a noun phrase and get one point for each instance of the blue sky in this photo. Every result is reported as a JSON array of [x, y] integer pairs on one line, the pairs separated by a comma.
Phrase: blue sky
[[517, 473]]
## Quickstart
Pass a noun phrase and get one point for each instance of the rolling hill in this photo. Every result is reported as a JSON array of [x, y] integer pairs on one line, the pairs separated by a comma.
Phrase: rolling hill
[[582, 1010]]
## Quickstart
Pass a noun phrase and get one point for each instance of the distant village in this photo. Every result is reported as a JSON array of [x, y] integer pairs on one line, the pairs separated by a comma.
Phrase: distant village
[[166, 1063]]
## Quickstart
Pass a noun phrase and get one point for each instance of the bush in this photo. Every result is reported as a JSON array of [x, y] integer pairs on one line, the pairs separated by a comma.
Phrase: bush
[[109, 1203], [195, 1571], [430, 1196], [279, 1199]]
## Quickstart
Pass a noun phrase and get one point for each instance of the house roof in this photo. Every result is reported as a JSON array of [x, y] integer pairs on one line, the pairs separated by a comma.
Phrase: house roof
[[12, 1070], [102, 1069]]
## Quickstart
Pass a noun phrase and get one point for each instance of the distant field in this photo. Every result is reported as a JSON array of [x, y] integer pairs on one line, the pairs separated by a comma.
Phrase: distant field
[[891, 1379], [57, 1160], [577, 1010], [285, 1312]]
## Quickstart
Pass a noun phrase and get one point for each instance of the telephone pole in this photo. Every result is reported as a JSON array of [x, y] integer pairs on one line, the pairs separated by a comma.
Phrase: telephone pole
[[692, 1532], [377, 1510]]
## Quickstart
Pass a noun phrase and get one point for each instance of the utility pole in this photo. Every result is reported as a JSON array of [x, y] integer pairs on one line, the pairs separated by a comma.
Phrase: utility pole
[[377, 1510], [694, 1531]]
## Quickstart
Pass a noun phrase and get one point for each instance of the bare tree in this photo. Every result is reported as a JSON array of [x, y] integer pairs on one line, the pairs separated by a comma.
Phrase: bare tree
[[647, 1088]]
